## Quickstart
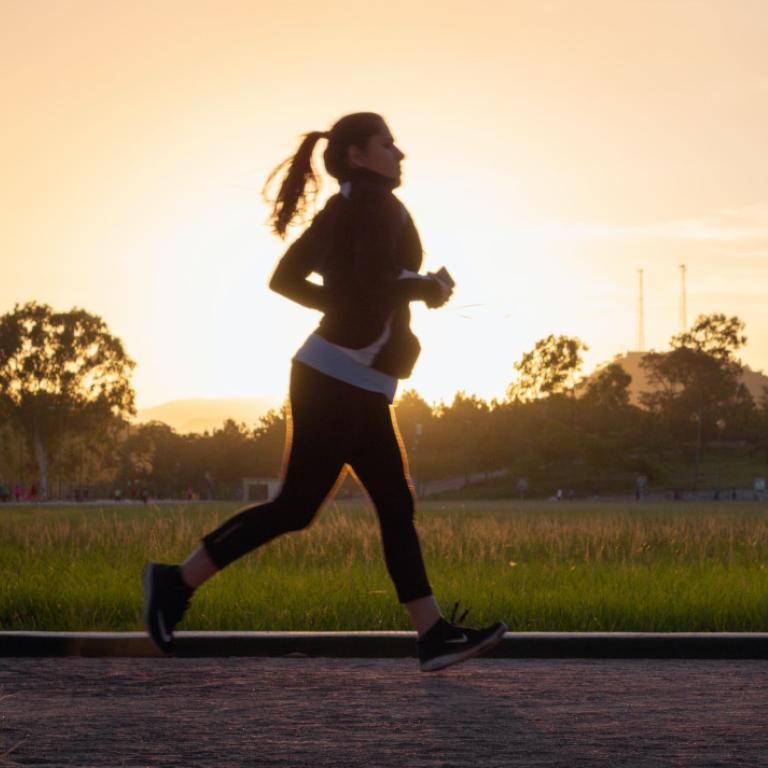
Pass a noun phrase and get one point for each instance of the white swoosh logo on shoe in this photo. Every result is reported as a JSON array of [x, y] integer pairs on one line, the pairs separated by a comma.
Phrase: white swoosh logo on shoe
[[462, 639], [161, 625]]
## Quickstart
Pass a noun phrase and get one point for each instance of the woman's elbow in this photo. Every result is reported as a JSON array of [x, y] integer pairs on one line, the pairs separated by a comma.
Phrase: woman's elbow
[[277, 284]]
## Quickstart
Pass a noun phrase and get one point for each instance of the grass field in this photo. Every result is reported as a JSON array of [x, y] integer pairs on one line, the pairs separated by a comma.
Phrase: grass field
[[537, 565]]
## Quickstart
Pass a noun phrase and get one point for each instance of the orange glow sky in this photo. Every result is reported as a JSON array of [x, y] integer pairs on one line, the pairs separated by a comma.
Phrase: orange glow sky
[[553, 148]]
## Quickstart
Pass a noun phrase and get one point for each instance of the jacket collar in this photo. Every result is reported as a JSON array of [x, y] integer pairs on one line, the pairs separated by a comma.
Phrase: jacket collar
[[363, 176]]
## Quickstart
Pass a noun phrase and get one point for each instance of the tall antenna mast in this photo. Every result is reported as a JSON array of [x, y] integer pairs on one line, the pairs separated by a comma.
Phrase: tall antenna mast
[[683, 313], [640, 319]]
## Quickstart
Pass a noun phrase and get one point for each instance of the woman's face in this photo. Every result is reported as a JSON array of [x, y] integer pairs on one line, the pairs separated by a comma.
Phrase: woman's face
[[380, 155]]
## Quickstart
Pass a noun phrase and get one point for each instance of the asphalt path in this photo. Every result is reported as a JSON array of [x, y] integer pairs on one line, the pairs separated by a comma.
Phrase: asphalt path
[[382, 712]]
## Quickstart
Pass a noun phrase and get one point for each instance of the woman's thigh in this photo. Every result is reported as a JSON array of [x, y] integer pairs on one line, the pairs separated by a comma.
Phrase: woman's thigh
[[334, 424], [378, 457]]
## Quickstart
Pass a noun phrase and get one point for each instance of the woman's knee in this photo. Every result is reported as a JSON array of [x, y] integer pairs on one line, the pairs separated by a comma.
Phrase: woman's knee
[[396, 508], [293, 514], [298, 520]]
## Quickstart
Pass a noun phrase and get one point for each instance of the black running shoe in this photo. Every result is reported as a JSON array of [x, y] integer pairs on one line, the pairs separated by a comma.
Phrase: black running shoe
[[166, 598], [446, 643]]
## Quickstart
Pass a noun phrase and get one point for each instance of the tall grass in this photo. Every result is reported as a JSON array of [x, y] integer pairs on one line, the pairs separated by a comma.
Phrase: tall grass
[[539, 566]]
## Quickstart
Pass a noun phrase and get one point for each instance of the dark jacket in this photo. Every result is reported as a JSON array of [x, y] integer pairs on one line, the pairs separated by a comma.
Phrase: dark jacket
[[359, 245]]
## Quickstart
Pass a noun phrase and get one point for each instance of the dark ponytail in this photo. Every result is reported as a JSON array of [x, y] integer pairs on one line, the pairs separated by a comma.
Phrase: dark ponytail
[[293, 197]]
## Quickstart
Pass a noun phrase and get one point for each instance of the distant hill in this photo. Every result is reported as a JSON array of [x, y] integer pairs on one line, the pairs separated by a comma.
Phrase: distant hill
[[206, 414], [630, 362]]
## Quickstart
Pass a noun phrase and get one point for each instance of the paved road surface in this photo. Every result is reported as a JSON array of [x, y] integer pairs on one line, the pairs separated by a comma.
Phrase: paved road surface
[[341, 712]]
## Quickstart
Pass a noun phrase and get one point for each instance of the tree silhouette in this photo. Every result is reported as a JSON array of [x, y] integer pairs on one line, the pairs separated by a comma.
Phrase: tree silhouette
[[549, 368], [608, 388], [414, 415], [716, 335], [60, 373], [697, 384]]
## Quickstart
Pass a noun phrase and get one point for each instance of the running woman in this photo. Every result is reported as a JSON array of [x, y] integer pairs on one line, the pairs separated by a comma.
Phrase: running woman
[[365, 246]]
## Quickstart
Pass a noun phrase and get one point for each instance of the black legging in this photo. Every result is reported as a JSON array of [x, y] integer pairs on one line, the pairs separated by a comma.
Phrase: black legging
[[335, 424]]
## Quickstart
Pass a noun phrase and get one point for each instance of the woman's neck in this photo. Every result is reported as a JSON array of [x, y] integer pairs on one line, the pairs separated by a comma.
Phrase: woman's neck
[[367, 175]]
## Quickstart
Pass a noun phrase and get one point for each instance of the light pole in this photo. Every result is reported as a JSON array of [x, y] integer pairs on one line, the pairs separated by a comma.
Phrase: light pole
[[697, 419]]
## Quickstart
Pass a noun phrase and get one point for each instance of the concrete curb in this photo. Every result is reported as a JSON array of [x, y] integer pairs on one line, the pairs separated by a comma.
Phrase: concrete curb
[[516, 645]]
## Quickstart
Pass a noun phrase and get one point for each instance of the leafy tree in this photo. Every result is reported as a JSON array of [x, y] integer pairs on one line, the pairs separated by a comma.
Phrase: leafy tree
[[608, 388], [716, 335], [605, 412], [610, 427], [694, 388], [414, 415], [150, 455], [549, 368], [60, 373], [270, 437], [460, 435], [699, 380], [231, 449]]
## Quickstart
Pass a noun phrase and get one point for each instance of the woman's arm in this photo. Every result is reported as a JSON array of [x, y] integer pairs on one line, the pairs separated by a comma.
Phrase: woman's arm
[[381, 226], [290, 276]]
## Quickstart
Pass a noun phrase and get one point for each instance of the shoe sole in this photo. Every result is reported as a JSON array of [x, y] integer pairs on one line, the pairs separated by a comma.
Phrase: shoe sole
[[147, 582], [441, 662]]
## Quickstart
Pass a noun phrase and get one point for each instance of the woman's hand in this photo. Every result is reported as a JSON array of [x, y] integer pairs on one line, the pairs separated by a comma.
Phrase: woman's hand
[[443, 291]]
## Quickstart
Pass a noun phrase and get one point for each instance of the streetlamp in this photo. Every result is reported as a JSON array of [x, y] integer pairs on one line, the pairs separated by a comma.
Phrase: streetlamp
[[720, 424], [696, 417]]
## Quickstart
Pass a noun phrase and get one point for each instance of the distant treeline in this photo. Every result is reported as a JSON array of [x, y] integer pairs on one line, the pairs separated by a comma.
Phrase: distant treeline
[[67, 401]]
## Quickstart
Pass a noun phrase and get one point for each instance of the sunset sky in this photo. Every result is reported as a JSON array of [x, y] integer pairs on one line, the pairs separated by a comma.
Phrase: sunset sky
[[553, 149]]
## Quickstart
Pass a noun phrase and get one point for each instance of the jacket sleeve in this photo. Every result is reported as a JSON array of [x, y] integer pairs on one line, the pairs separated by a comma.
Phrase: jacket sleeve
[[379, 226], [290, 276]]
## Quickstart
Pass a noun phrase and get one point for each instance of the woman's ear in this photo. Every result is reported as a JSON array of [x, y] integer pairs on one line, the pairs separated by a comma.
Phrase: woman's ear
[[354, 156]]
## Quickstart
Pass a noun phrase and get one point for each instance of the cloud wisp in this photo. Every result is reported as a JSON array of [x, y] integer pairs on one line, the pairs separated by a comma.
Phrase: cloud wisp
[[744, 228]]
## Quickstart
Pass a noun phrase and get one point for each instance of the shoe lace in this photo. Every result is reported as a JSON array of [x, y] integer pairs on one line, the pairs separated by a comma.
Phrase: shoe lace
[[461, 618]]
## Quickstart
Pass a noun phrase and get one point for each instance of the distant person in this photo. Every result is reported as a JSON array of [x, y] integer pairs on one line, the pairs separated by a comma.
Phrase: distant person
[[17, 492], [365, 246], [5, 492], [641, 486], [32, 493], [210, 480]]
